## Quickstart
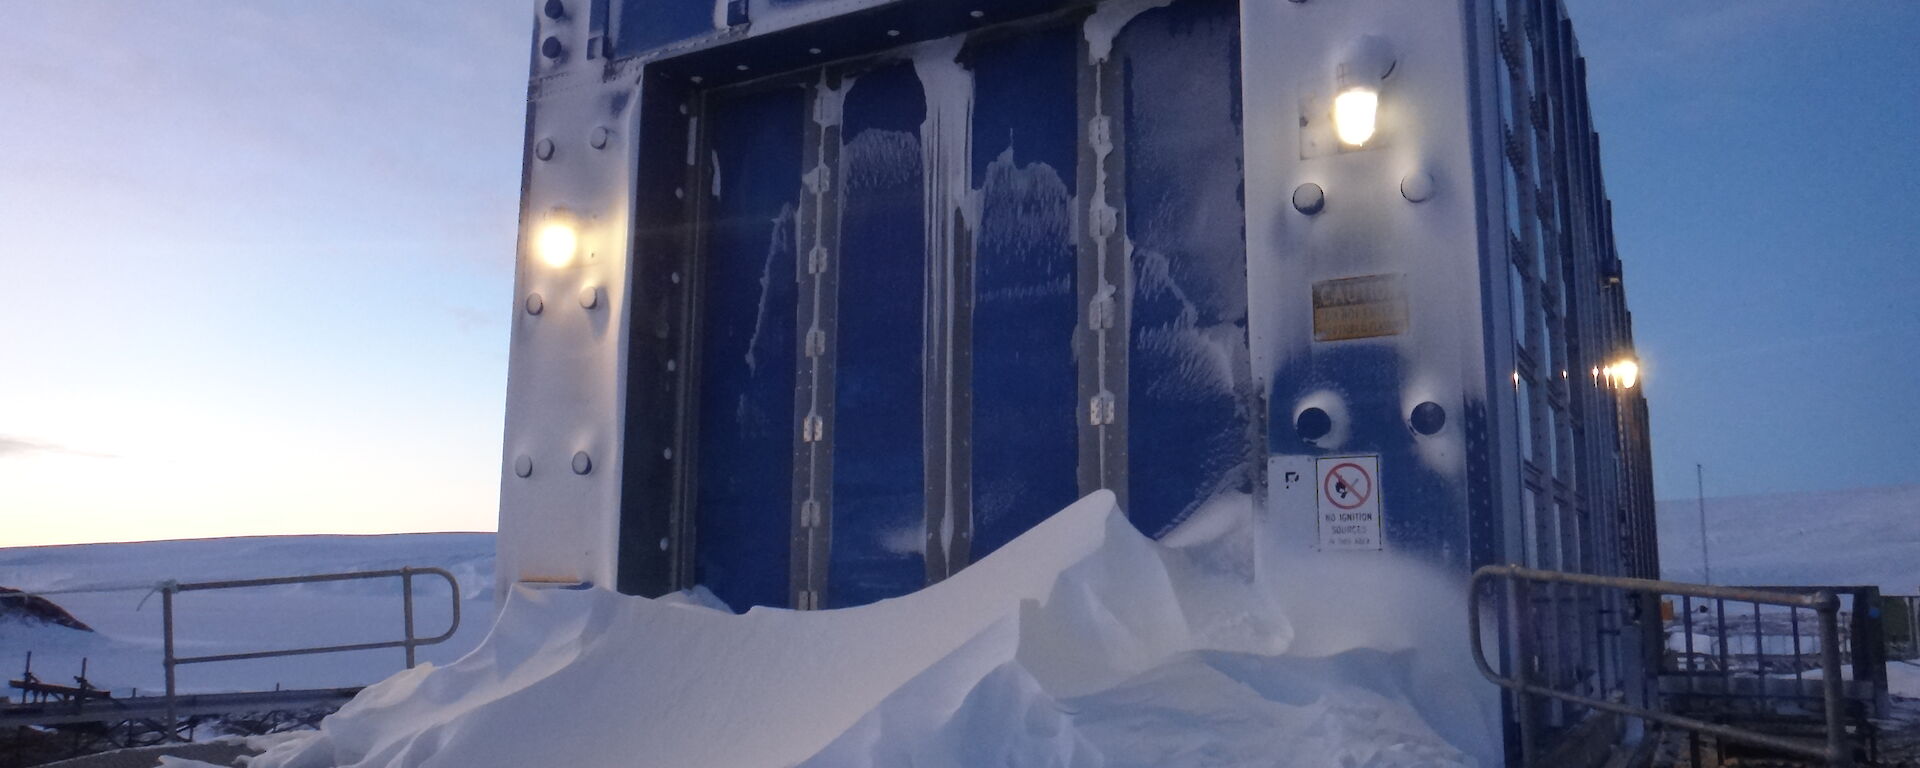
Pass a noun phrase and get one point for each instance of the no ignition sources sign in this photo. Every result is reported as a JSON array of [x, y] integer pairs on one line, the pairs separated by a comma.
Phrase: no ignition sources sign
[[1349, 502]]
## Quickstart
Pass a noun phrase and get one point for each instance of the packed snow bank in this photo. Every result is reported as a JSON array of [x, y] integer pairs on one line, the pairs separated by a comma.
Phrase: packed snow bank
[[1080, 644]]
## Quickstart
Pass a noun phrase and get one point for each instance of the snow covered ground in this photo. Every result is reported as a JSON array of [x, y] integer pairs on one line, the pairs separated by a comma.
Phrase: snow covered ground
[[1080, 644], [1867, 536], [124, 652]]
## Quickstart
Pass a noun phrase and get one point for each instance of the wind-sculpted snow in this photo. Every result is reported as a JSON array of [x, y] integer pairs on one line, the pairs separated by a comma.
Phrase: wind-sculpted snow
[[1079, 644]]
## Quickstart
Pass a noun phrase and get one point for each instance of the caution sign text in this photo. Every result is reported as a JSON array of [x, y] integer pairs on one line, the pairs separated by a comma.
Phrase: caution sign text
[[1359, 308], [1349, 503]]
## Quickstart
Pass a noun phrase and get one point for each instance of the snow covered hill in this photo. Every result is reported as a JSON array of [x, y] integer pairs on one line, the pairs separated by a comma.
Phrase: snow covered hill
[[124, 653], [1861, 536]]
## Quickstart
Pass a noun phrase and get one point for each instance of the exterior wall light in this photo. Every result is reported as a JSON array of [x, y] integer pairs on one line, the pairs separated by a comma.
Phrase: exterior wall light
[[557, 241], [1356, 101], [1355, 112], [1623, 373]]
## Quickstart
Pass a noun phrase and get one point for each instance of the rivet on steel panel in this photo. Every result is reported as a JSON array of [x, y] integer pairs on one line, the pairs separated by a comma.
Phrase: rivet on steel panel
[[1309, 198], [1417, 187], [523, 465], [582, 463], [1427, 418]]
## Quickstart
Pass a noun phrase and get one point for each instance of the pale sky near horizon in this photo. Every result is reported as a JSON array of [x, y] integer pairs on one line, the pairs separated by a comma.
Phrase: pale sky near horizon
[[258, 256]]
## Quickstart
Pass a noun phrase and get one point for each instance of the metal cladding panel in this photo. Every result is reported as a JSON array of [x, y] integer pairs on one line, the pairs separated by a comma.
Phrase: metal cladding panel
[[1025, 130], [1188, 385], [649, 24], [745, 417], [1400, 212], [879, 498]]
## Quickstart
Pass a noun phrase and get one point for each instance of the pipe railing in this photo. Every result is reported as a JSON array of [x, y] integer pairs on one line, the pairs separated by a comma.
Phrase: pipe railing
[[1835, 751], [409, 641]]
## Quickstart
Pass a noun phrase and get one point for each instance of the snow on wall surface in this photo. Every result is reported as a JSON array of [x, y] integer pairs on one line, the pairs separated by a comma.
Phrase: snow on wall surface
[[1368, 385], [1082, 643], [1025, 142], [878, 433], [1218, 272], [745, 411], [1190, 397]]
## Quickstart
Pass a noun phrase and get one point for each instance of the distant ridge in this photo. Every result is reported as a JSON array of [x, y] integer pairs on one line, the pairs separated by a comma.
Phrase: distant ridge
[[1859, 536]]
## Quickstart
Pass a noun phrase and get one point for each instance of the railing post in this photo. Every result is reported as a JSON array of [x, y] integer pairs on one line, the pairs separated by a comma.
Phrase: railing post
[[166, 622], [1830, 680], [1519, 592], [406, 602]]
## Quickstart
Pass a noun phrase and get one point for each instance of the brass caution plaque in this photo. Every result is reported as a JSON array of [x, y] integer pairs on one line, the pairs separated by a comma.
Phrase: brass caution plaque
[[1359, 308]]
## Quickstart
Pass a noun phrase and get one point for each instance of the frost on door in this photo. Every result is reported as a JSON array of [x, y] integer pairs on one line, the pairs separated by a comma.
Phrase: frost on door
[[946, 291]]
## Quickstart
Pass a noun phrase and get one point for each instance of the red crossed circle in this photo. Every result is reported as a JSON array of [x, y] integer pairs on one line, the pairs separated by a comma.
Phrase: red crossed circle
[[1359, 485]]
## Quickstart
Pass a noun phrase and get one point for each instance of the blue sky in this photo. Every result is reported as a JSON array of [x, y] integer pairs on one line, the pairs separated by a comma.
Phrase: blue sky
[[1765, 179], [258, 256], [258, 261]]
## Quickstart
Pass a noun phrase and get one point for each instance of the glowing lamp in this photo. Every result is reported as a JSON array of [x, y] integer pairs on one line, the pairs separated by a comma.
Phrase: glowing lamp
[[1356, 86], [1623, 373], [1355, 111], [556, 243]]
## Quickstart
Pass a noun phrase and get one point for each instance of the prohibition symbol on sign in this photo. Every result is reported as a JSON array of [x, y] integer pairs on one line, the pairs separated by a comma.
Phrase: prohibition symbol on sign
[[1348, 486], [1348, 509]]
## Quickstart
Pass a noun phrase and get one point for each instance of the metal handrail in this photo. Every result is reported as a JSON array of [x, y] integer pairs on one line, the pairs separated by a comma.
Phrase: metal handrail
[[1835, 751], [409, 642]]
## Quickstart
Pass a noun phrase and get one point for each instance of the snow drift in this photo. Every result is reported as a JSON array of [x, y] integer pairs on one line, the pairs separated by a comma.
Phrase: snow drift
[[1080, 644]]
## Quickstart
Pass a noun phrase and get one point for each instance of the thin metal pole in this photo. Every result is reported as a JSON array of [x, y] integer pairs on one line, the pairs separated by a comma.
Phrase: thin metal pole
[[1700, 485], [406, 602], [1799, 666], [1692, 661], [1727, 657], [166, 622], [1830, 683], [1760, 657], [1523, 666]]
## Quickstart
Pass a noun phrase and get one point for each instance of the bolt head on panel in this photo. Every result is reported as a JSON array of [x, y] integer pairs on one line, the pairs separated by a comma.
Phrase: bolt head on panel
[[598, 137], [1417, 186], [1313, 424], [543, 149], [535, 304], [1428, 418], [582, 463], [590, 296], [555, 9], [523, 465], [551, 48], [1309, 198]]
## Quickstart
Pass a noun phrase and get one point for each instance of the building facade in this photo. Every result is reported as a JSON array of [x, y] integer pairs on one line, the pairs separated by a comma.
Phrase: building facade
[[819, 301]]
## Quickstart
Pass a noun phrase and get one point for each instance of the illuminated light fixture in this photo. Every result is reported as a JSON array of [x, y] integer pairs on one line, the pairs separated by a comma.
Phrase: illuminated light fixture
[[1356, 101], [557, 241], [1624, 373], [1355, 112]]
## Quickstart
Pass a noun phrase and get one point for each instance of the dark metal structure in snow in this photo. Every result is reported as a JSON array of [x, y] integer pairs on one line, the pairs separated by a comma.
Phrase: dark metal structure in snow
[[819, 301]]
